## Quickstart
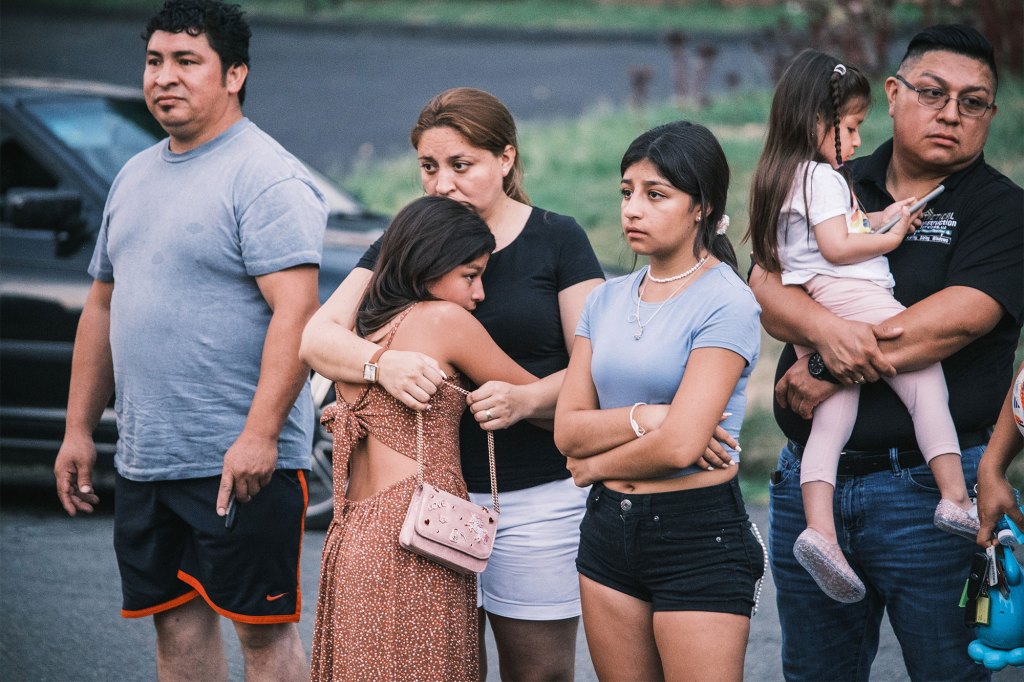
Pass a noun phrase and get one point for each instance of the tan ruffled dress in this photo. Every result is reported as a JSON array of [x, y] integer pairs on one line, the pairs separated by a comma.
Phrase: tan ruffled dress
[[384, 613]]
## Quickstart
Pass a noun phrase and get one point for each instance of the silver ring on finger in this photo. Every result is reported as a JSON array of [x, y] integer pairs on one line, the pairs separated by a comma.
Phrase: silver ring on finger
[[489, 415]]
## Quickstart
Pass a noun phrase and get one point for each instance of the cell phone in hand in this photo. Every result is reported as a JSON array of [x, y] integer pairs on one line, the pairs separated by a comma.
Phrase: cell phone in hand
[[913, 209], [229, 518]]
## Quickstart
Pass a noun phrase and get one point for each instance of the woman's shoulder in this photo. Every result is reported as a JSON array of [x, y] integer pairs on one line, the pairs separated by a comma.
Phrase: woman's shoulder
[[441, 323], [730, 287], [555, 223], [613, 288], [443, 313]]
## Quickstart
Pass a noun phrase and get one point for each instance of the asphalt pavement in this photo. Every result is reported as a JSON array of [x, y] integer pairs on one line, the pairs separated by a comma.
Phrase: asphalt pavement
[[60, 601]]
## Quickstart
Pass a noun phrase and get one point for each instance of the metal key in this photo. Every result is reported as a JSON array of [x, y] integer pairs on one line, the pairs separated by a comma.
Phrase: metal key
[[991, 567]]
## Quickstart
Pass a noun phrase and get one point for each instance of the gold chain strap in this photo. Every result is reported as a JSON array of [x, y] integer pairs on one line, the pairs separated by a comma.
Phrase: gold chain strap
[[490, 453]]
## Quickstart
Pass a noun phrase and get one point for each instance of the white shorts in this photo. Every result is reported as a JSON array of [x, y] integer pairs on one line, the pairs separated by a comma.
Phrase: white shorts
[[532, 573]]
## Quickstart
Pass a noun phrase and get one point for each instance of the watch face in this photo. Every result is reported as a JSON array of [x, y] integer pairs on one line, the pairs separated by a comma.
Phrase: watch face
[[370, 373], [815, 365]]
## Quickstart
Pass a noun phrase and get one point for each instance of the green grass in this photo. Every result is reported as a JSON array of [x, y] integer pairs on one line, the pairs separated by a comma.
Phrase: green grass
[[572, 168], [572, 165], [582, 15]]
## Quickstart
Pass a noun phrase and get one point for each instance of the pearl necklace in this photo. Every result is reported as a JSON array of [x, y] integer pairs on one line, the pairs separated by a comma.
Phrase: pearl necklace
[[640, 294], [673, 278]]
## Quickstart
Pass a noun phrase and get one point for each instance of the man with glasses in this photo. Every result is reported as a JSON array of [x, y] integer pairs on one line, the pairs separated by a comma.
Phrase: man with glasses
[[960, 276]]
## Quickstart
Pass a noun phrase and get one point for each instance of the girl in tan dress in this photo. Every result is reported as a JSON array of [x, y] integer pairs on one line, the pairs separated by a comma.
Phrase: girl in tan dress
[[384, 613]]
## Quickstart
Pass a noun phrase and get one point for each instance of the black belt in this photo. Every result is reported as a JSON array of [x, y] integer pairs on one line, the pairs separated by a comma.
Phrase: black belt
[[861, 462]]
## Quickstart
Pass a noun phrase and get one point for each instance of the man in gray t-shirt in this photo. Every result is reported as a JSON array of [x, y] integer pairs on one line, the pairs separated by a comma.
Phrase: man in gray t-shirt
[[205, 274]]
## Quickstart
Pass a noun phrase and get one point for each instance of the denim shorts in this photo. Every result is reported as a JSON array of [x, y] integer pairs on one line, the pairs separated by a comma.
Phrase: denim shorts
[[690, 550]]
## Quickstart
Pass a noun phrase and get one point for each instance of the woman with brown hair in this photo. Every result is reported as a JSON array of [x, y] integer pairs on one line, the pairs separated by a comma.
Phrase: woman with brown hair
[[536, 281]]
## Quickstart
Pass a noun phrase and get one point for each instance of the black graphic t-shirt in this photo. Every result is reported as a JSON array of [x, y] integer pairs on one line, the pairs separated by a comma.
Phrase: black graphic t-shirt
[[520, 311], [971, 235]]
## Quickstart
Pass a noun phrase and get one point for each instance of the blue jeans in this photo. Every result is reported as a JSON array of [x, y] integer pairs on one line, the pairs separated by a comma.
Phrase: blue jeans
[[917, 572]]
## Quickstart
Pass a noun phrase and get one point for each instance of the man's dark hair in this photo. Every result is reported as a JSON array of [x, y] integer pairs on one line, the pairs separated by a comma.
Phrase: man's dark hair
[[224, 26], [955, 38]]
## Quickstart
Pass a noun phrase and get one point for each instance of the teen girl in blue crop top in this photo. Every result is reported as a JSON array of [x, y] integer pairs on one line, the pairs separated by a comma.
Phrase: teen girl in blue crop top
[[668, 559]]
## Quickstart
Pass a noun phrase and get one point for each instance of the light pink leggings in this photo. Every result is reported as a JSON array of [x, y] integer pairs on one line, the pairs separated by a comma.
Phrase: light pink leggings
[[923, 392]]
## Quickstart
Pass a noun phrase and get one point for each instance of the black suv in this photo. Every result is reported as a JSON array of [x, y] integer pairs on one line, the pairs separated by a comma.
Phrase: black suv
[[61, 144]]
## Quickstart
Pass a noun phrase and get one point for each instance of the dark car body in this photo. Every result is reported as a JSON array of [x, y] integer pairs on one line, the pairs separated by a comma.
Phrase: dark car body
[[61, 144]]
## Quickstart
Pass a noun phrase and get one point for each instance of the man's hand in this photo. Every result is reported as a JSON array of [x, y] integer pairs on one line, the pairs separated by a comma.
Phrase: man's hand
[[73, 471], [248, 466], [852, 353], [995, 498], [801, 392], [410, 377]]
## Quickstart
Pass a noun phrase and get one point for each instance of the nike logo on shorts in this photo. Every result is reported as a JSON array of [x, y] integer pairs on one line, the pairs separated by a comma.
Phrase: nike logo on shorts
[[275, 597]]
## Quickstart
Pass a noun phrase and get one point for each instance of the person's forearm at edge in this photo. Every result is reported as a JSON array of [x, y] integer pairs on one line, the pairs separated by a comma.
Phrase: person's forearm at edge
[[329, 345], [1006, 441], [995, 494]]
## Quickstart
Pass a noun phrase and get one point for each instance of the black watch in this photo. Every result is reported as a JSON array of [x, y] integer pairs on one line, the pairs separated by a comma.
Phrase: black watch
[[817, 368]]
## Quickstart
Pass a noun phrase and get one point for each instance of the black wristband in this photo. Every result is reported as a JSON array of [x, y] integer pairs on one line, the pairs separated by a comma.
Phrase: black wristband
[[818, 369]]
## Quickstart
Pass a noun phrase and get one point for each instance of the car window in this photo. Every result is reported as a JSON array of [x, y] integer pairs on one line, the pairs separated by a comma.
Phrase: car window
[[104, 132], [18, 168]]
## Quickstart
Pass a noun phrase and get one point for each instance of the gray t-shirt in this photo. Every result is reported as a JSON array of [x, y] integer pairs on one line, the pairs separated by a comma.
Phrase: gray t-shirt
[[183, 237]]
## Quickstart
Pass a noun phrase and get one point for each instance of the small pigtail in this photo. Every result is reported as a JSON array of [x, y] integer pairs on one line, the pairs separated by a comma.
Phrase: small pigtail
[[833, 82]]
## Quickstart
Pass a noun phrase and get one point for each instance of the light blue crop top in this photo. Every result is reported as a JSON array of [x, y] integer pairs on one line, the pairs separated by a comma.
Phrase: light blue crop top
[[716, 311]]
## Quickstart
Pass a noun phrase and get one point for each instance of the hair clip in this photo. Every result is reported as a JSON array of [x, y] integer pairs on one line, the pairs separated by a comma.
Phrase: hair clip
[[840, 69], [723, 224]]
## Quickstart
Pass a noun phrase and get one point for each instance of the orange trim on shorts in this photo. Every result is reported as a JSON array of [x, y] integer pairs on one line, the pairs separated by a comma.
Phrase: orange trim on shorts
[[261, 620], [241, 618], [166, 606], [302, 533]]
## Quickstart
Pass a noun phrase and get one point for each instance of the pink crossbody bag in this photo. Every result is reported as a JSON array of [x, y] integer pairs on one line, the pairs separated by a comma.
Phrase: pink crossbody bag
[[445, 528]]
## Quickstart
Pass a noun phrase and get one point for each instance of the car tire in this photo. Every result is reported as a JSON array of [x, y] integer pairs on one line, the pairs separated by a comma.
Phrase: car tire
[[320, 482]]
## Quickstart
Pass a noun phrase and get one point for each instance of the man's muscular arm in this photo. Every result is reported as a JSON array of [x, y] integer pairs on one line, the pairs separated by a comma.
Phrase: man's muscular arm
[[940, 325], [850, 349], [925, 333]]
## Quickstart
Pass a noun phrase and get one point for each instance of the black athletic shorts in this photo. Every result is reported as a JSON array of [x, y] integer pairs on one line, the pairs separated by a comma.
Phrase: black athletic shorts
[[172, 546]]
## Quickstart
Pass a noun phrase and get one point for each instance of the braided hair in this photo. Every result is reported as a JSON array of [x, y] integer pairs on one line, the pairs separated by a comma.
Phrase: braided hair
[[815, 89]]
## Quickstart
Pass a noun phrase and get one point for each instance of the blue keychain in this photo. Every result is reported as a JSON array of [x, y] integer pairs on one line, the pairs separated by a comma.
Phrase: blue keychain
[[1001, 640]]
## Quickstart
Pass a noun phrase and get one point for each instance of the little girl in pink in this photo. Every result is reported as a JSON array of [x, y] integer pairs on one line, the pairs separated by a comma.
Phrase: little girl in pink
[[821, 240]]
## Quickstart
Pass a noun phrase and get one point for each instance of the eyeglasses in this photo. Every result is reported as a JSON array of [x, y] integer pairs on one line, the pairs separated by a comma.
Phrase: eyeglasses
[[933, 98]]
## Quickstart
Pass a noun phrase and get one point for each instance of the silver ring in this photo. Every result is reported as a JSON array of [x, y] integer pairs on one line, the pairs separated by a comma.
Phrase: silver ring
[[487, 413], [859, 380]]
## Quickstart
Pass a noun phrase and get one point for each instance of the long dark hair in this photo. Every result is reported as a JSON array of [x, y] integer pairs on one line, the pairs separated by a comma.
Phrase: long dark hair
[[483, 120], [688, 156], [811, 91], [426, 240]]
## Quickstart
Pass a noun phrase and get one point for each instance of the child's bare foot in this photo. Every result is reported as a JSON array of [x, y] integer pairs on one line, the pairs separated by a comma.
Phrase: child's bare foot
[[955, 519], [827, 565]]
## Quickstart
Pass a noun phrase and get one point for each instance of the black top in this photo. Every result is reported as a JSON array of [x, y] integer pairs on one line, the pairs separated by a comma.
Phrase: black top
[[520, 311], [971, 235]]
